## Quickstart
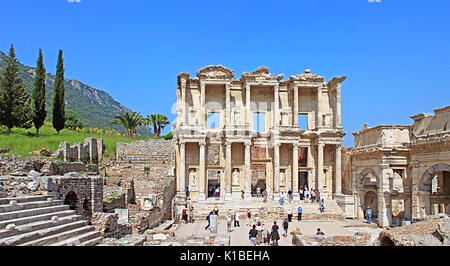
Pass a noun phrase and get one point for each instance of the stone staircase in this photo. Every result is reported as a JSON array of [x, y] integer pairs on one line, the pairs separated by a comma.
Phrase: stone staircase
[[269, 209], [43, 221]]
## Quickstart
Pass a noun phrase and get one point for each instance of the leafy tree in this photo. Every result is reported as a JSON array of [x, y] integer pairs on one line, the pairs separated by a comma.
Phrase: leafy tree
[[73, 121], [38, 97], [58, 96], [130, 121], [158, 121], [15, 103]]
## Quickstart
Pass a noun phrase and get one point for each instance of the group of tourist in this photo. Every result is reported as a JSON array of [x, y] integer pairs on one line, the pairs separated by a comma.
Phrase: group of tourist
[[213, 191], [188, 215], [309, 195]]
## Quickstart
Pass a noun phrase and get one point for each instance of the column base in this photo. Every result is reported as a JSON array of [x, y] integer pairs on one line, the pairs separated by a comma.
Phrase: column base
[[201, 196], [276, 196], [247, 196], [296, 197], [228, 196]]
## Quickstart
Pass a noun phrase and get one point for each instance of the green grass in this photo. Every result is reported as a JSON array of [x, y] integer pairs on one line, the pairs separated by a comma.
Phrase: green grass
[[24, 142]]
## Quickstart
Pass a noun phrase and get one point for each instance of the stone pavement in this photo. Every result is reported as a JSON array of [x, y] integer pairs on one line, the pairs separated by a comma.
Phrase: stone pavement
[[239, 235]]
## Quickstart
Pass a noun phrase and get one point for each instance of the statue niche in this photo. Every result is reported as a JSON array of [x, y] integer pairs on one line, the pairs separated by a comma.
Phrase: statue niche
[[193, 178]]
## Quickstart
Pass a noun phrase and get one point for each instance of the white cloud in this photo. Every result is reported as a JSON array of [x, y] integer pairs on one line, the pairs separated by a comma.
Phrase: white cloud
[[74, 1]]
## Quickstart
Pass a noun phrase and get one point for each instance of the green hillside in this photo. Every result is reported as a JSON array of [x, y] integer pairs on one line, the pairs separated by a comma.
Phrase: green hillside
[[95, 107]]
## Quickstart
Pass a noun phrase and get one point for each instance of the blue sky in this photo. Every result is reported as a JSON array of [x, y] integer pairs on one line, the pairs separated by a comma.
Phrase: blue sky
[[395, 53]]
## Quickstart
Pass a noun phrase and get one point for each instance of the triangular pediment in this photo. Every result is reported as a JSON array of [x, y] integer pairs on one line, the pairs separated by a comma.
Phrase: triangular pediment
[[215, 72]]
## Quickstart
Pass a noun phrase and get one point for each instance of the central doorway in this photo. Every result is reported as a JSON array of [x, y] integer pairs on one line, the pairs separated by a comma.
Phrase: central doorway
[[302, 179], [214, 184]]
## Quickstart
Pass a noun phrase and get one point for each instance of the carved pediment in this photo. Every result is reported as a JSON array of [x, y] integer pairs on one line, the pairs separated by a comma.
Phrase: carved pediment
[[307, 75], [262, 73], [215, 72]]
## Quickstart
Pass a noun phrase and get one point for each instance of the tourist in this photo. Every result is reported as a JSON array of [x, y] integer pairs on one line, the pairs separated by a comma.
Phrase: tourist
[[319, 233], [191, 214], [300, 191], [266, 236], [229, 219], [322, 207], [318, 195], [306, 192], [274, 234], [289, 213], [290, 196], [264, 196], [252, 236], [285, 227], [236, 219], [183, 215], [282, 199], [299, 210], [368, 215], [259, 229], [216, 210], [210, 191], [208, 218], [217, 193], [187, 192], [313, 195], [258, 192], [249, 217]]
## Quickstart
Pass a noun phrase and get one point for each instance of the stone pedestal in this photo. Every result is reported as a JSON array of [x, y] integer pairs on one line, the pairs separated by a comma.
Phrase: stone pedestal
[[296, 197], [214, 224], [247, 196], [228, 196], [201, 196]]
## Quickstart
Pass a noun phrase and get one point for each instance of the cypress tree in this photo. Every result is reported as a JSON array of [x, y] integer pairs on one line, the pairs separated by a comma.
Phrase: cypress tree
[[15, 102], [58, 96], [38, 97]]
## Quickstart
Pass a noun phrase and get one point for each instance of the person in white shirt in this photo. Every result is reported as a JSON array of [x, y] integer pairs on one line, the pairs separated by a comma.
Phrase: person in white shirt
[[229, 219], [236, 219], [289, 213]]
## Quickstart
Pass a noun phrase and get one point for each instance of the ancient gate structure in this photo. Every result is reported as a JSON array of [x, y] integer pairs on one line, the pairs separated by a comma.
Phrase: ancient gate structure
[[406, 167]]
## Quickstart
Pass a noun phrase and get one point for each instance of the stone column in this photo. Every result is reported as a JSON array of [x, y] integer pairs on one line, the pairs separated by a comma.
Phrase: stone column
[[228, 104], [228, 181], [338, 106], [295, 172], [338, 174], [183, 102], [276, 116], [182, 178], [276, 175], [202, 105], [247, 106], [384, 199], [248, 175], [295, 106], [319, 107], [320, 175], [202, 174]]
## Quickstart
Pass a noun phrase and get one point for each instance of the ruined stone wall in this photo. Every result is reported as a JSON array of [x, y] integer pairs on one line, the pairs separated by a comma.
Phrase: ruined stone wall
[[91, 151]]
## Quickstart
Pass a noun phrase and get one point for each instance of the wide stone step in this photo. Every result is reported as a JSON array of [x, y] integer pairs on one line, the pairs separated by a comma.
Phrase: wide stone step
[[47, 241], [91, 238], [29, 205], [31, 219], [32, 212], [46, 236], [4, 201], [34, 226]]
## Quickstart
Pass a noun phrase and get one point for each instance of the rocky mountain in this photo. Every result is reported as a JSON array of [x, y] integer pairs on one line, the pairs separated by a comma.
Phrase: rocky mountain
[[95, 107]]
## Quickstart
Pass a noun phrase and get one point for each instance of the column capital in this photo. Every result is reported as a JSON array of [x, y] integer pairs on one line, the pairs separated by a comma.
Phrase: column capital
[[320, 144], [202, 143], [338, 146]]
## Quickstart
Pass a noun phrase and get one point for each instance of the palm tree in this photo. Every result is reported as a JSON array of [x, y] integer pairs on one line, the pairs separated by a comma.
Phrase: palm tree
[[130, 121], [158, 121]]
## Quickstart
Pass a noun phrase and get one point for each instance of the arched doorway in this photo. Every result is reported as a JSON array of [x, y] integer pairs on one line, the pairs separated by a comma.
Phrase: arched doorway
[[71, 199], [434, 190], [370, 200]]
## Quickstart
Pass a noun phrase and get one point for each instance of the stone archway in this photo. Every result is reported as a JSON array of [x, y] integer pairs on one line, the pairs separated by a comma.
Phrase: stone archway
[[371, 200], [429, 199], [71, 199], [430, 173]]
